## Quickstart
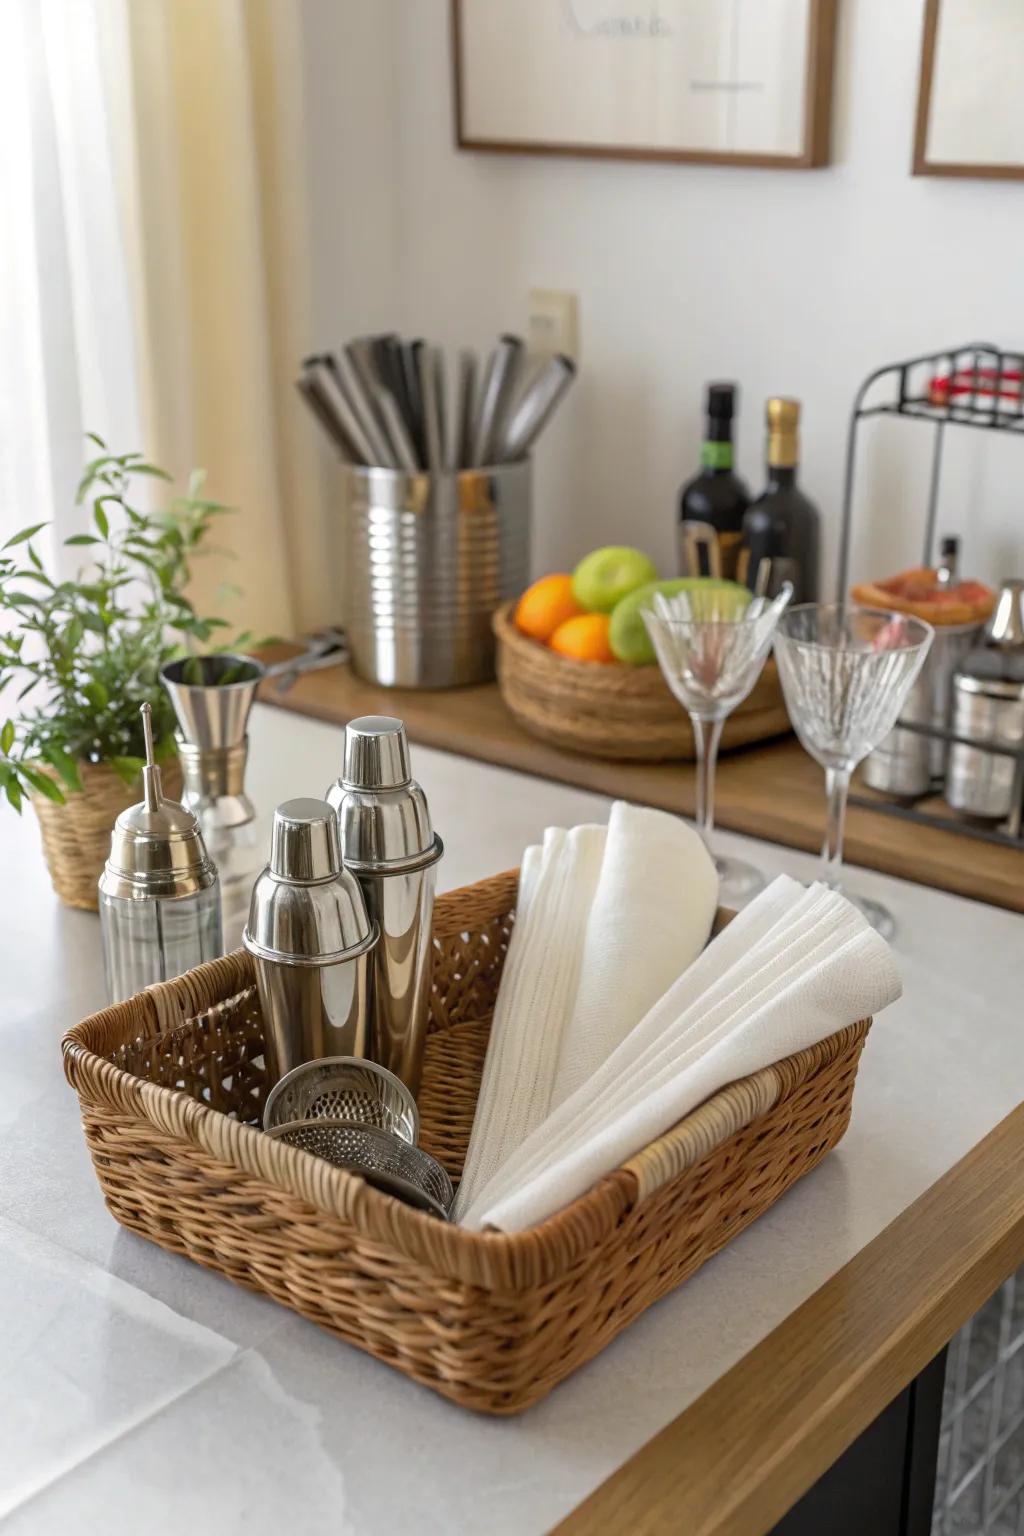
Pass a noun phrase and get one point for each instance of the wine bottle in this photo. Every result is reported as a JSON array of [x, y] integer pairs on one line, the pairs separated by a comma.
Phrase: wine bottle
[[716, 498], [783, 525]]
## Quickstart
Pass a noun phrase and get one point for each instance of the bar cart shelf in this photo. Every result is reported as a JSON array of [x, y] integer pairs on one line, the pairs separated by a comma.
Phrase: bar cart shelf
[[977, 385]]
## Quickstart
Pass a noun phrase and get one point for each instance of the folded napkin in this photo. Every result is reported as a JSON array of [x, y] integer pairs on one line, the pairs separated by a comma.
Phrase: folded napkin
[[651, 916], [535, 998], [795, 966], [606, 919]]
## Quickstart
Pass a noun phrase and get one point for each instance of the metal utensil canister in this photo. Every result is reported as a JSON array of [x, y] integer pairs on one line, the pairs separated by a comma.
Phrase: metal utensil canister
[[310, 937], [159, 898], [428, 558], [388, 842], [988, 707]]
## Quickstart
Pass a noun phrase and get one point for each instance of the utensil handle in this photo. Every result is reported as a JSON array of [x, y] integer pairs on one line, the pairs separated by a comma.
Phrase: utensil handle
[[497, 393], [431, 415], [352, 378], [536, 407], [339, 403], [398, 432], [320, 407]]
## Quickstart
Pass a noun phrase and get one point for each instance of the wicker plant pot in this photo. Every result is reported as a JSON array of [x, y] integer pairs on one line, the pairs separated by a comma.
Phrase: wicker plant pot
[[616, 711], [76, 836]]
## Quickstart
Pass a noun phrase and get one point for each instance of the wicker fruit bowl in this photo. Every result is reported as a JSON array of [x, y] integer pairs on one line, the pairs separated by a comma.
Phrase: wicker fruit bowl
[[616, 711]]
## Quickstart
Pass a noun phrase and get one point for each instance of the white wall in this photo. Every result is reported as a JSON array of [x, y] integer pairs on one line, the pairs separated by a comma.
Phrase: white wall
[[789, 282]]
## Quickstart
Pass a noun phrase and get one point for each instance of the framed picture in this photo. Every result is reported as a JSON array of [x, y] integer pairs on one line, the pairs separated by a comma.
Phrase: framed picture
[[970, 101], [713, 82]]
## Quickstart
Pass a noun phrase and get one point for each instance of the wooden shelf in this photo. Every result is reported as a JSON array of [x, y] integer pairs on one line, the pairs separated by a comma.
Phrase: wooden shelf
[[774, 791]]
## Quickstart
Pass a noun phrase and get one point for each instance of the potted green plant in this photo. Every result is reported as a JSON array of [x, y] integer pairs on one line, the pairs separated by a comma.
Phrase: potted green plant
[[93, 648]]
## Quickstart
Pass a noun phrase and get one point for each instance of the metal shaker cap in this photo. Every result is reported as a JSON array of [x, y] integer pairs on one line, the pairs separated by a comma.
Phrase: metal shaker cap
[[376, 753], [306, 909], [383, 816], [156, 848]]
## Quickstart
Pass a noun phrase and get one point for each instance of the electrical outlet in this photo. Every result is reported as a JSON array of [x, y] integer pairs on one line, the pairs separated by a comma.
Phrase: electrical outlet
[[552, 325]]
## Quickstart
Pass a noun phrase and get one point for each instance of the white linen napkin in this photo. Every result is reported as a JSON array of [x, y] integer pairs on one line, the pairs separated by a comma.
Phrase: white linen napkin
[[535, 998], [651, 916], [794, 967]]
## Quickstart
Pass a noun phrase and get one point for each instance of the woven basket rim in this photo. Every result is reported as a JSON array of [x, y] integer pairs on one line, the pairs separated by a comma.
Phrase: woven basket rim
[[496, 1261]]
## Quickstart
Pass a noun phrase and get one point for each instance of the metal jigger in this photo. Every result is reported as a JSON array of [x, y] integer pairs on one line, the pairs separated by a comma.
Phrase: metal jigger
[[158, 894], [212, 698], [387, 840]]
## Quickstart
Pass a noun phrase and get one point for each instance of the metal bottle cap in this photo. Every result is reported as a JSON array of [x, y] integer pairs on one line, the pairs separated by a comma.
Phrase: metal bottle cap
[[383, 817], [306, 909], [156, 848], [376, 753]]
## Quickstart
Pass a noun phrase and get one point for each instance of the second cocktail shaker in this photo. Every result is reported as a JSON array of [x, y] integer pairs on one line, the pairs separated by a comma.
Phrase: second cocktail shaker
[[309, 935], [388, 842]]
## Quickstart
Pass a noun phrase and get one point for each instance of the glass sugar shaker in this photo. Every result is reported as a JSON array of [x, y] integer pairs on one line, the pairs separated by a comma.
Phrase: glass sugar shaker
[[159, 896]]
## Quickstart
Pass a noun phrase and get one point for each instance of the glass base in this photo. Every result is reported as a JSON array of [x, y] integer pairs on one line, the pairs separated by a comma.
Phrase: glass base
[[738, 883], [880, 918]]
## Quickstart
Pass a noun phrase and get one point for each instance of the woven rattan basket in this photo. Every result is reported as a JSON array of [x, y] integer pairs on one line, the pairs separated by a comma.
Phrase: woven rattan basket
[[76, 835], [617, 711], [172, 1084]]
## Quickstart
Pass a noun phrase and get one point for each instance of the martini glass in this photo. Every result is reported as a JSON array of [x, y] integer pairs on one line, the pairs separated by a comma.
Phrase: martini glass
[[711, 656], [845, 675]]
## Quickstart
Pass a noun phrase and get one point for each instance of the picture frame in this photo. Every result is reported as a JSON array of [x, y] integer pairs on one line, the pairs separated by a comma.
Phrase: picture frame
[[536, 77], [969, 119]]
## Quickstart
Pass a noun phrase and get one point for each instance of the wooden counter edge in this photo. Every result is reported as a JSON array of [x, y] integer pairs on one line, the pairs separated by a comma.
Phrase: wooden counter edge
[[740, 1456]]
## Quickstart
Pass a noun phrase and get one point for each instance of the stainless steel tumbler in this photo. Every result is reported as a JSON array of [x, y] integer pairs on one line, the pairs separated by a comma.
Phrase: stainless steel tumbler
[[988, 707], [310, 937], [388, 842], [906, 763], [428, 558]]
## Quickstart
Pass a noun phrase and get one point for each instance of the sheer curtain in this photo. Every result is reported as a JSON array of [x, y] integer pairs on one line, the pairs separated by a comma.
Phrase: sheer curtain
[[154, 274], [67, 354]]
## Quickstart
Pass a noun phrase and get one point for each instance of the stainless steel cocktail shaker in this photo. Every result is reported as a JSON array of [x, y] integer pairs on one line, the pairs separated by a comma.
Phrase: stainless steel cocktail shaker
[[988, 707], [310, 937], [212, 698], [159, 899], [387, 841]]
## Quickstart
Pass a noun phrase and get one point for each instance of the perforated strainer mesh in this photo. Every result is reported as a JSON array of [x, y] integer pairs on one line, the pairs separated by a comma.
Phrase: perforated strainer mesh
[[344, 1088], [381, 1157]]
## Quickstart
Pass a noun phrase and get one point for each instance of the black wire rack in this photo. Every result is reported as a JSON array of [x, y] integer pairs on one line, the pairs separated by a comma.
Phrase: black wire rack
[[978, 385]]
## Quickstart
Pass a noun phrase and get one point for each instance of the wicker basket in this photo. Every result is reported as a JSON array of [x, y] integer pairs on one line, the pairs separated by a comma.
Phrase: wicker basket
[[492, 1321], [76, 835], [617, 711]]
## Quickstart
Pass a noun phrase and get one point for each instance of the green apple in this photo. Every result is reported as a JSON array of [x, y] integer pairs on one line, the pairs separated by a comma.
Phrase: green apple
[[627, 633], [604, 577]]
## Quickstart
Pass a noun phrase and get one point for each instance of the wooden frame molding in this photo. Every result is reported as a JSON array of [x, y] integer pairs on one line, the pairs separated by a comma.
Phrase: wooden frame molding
[[746, 1451], [922, 166], [817, 112]]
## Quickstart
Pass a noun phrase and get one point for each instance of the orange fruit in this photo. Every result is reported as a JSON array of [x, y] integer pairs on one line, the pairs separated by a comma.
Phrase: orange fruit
[[546, 605], [585, 638]]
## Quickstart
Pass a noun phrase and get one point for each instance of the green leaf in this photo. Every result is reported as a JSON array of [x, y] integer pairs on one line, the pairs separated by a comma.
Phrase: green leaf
[[99, 517], [64, 763], [82, 538], [42, 783], [128, 768], [94, 437], [72, 633], [35, 558], [150, 469], [7, 737], [97, 694], [25, 534], [13, 791]]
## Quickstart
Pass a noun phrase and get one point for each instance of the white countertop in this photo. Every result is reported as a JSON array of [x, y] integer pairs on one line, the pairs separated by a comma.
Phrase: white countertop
[[141, 1393]]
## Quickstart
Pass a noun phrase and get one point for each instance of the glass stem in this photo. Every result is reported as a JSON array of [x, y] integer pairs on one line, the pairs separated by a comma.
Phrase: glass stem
[[706, 736], [837, 787]]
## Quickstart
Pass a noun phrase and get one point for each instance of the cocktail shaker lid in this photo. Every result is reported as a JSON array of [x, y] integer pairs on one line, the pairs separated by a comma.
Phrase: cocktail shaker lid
[[306, 909], [376, 753], [383, 816], [1006, 626], [156, 848]]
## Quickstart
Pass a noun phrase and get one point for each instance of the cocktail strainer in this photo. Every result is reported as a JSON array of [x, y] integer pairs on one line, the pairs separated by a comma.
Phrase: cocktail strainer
[[381, 1157], [344, 1088]]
